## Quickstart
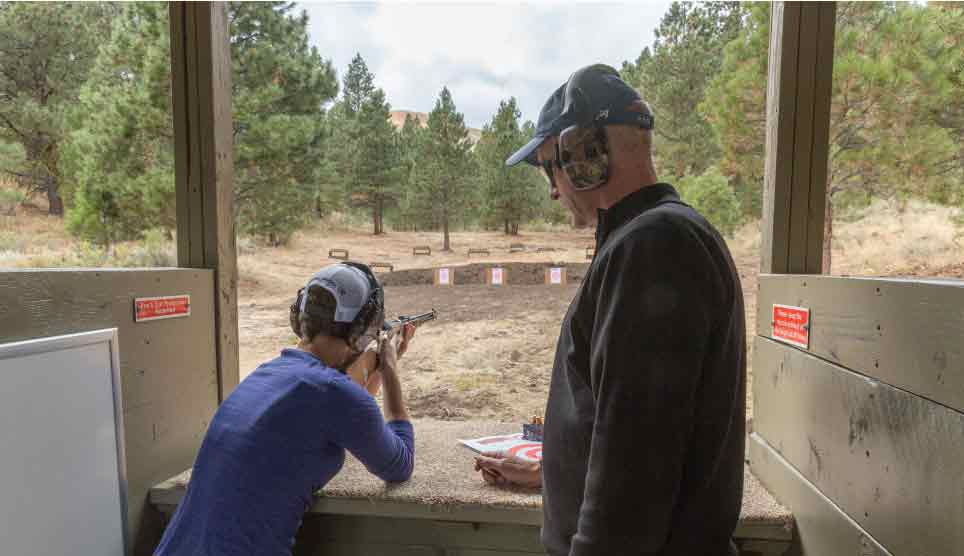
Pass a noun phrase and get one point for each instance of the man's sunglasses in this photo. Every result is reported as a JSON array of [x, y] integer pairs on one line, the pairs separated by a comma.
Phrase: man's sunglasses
[[549, 166]]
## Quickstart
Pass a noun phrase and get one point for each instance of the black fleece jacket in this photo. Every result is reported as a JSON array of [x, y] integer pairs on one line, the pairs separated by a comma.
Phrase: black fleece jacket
[[644, 432]]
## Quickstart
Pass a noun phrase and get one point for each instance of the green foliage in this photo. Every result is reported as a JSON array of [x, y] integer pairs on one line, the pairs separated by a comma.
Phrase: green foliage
[[509, 195], [10, 199], [444, 173], [367, 150], [672, 78], [120, 158], [280, 84], [46, 52], [896, 111], [711, 195], [121, 153]]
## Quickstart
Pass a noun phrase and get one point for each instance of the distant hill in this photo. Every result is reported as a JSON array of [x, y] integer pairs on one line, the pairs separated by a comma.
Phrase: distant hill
[[398, 120]]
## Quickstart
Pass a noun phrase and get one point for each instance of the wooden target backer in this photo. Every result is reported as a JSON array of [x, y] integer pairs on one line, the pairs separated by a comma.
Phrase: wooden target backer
[[496, 276], [444, 276], [556, 276]]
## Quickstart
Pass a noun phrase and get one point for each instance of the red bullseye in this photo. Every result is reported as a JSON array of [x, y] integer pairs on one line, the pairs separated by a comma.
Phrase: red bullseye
[[531, 451]]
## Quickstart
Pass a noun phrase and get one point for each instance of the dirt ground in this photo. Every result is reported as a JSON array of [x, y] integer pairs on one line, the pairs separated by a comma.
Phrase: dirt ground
[[490, 353]]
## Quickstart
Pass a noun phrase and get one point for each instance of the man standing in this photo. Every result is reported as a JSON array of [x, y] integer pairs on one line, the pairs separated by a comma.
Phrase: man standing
[[644, 430]]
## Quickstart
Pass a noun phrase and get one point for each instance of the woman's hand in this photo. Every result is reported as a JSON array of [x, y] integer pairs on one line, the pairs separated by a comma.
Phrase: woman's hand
[[408, 332], [501, 471]]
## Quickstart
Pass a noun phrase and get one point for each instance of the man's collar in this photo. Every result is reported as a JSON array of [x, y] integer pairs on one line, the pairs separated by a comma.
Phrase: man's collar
[[629, 207]]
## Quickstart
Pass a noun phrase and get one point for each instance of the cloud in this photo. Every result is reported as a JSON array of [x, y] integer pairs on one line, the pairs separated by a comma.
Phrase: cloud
[[483, 52]]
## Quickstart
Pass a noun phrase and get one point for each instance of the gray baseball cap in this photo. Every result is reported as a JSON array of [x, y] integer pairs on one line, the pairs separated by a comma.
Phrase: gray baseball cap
[[349, 286]]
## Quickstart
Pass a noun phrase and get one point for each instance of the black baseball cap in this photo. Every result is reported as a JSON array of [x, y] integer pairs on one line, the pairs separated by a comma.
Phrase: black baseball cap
[[593, 94]]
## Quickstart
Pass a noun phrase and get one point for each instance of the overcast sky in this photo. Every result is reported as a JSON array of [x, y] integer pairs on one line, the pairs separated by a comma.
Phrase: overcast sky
[[483, 52]]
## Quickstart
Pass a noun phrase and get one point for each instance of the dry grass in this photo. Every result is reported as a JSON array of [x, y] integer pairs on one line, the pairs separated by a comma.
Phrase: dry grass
[[490, 356], [885, 240]]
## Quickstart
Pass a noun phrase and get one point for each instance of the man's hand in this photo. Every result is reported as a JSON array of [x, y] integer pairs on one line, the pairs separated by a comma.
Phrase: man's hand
[[501, 471]]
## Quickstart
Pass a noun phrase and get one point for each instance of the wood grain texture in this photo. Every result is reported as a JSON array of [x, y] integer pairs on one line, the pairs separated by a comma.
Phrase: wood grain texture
[[889, 459], [907, 334], [201, 69], [800, 73], [168, 367], [823, 529]]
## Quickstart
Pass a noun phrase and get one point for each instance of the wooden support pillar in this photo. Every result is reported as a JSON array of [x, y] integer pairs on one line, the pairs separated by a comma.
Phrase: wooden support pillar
[[797, 136], [201, 90]]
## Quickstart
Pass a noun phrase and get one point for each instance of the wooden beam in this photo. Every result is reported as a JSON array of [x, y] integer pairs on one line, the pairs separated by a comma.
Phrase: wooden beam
[[201, 73], [797, 136]]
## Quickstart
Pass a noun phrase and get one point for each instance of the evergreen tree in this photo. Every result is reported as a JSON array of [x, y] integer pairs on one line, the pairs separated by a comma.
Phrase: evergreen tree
[[280, 84], [119, 159], [368, 145], [444, 175], [672, 78], [882, 142], [510, 195], [46, 52], [412, 208], [123, 143]]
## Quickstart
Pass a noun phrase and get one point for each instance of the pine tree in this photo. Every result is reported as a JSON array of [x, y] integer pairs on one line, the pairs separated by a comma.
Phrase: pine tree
[[446, 164], [123, 141], [46, 52], [280, 85], [510, 194], [411, 207], [367, 143], [119, 160], [882, 142], [672, 78]]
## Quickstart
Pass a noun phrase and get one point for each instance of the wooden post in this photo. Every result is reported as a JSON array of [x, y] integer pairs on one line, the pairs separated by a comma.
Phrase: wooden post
[[201, 90], [797, 136]]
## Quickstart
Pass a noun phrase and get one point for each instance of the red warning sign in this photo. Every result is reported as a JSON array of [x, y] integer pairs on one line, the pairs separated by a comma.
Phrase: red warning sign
[[791, 325], [167, 307]]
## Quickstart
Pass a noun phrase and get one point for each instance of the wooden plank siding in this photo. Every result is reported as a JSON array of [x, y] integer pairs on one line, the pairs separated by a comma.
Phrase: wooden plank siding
[[891, 460], [168, 367], [823, 528], [904, 333]]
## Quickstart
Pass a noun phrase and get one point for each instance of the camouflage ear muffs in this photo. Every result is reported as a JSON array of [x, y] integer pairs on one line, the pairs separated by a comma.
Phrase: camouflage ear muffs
[[582, 150], [583, 154]]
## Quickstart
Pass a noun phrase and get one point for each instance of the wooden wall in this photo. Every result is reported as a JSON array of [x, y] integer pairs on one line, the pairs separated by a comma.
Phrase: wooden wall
[[168, 368], [862, 433]]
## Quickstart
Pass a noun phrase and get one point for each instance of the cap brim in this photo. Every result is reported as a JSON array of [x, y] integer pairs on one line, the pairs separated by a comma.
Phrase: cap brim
[[526, 152]]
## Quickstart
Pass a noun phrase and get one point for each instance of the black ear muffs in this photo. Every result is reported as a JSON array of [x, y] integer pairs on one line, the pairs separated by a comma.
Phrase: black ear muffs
[[372, 313], [369, 317]]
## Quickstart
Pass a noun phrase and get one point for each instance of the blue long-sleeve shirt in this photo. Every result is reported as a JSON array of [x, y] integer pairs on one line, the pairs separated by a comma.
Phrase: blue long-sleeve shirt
[[279, 437]]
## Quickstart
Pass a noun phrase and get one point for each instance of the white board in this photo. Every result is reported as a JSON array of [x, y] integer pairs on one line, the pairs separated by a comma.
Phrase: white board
[[62, 469]]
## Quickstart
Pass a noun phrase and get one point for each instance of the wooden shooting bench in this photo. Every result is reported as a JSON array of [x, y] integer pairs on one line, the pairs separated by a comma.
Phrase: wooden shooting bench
[[340, 254], [479, 251], [446, 508], [422, 250], [384, 266]]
